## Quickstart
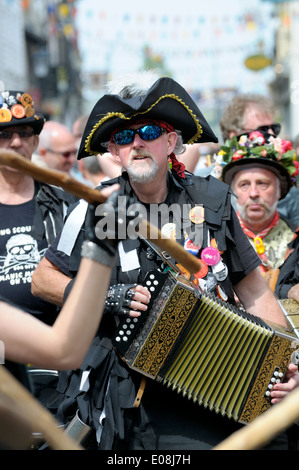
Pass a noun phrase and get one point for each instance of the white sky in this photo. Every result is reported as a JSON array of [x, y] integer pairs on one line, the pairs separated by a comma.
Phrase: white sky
[[203, 44]]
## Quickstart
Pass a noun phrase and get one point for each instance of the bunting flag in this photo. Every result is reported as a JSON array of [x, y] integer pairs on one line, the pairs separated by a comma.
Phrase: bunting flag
[[203, 47]]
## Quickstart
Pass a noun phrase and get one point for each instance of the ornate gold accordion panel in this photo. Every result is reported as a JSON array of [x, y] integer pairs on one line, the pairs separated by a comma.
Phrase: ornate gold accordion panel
[[214, 354]]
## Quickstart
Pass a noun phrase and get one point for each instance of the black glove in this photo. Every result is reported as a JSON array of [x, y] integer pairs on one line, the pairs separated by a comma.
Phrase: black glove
[[105, 224], [118, 299]]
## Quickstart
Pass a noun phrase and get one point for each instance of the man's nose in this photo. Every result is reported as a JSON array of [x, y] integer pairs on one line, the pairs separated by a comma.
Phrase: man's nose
[[253, 191], [137, 142], [15, 140]]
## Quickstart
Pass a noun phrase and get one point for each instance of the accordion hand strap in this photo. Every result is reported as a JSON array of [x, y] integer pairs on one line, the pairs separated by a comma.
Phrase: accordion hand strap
[[140, 392]]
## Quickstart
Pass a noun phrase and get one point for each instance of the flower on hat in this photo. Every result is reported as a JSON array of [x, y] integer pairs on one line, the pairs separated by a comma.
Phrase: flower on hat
[[256, 137], [296, 163], [243, 139], [253, 145], [238, 154], [280, 145]]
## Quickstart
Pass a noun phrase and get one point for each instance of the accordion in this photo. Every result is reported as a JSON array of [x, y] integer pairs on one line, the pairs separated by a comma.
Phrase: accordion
[[211, 352]]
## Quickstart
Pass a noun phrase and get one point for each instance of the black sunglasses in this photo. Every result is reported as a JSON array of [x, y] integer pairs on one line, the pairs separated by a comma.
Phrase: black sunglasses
[[275, 128], [148, 132], [21, 133], [65, 154]]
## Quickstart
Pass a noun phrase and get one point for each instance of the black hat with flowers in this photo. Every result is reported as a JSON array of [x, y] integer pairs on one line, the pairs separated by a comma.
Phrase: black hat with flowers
[[251, 150], [165, 101], [17, 108]]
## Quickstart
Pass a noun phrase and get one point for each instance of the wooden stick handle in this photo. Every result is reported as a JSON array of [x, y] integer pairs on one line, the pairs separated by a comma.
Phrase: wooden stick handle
[[186, 259], [82, 191], [27, 407], [45, 175], [265, 427]]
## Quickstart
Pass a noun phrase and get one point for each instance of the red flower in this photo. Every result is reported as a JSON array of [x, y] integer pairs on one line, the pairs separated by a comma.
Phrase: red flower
[[286, 145], [237, 155]]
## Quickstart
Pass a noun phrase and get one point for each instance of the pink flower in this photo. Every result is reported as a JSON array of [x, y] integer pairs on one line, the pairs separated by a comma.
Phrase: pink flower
[[297, 168], [264, 153], [257, 137], [277, 143]]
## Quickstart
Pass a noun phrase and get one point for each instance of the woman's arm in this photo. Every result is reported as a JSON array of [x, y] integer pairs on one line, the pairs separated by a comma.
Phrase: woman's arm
[[64, 345]]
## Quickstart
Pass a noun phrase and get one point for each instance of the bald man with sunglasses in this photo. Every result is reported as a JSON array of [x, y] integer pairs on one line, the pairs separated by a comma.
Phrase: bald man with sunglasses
[[143, 127], [57, 147]]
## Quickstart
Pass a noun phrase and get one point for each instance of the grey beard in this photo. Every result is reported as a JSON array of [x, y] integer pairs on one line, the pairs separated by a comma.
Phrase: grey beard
[[143, 177]]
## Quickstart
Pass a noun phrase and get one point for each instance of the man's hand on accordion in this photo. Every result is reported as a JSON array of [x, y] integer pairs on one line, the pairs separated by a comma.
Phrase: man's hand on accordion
[[127, 299], [280, 390]]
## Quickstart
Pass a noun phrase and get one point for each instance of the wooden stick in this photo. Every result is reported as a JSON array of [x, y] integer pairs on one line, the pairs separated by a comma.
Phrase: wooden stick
[[265, 427], [186, 259], [16, 432], [46, 175], [82, 191], [27, 407]]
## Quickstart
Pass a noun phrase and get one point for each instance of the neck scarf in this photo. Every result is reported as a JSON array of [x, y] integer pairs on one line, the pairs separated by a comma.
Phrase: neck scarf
[[258, 238], [176, 166]]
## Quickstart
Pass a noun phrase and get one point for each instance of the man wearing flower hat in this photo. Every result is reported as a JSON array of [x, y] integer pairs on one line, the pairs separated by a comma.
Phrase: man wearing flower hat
[[260, 174], [31, 214], [141, 130], [249, 112]]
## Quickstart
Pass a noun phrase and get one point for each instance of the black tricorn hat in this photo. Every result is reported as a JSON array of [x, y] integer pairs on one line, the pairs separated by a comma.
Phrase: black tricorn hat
[[165, 100], [17, 108]]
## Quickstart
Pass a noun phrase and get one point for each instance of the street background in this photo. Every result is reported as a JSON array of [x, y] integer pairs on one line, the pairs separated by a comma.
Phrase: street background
[[64, 52]]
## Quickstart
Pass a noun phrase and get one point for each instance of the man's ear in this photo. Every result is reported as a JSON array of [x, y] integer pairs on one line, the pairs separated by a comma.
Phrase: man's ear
[[113, 151], [35, 142], [81, 166], [172, 140]]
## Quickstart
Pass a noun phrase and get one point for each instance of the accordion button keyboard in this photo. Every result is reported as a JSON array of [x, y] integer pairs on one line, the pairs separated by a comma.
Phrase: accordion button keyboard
[[275, 379], [127, 326], [154, 281]]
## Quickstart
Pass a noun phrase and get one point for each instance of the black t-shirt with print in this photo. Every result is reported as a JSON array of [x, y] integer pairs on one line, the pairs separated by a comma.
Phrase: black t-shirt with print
[[20, 253]]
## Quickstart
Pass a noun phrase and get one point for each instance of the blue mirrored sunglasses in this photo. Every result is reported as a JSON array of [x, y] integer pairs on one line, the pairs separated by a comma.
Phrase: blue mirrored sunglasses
[[148, 132]]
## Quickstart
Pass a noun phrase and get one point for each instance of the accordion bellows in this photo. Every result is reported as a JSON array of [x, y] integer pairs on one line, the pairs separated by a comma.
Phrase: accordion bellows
[[213, 353]]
